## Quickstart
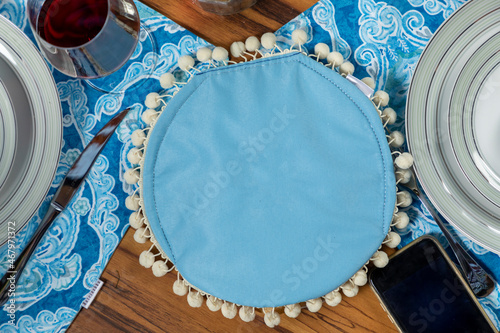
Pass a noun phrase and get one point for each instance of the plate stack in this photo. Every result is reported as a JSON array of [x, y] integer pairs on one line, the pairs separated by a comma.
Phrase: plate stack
[[453, 121], [30, 129]]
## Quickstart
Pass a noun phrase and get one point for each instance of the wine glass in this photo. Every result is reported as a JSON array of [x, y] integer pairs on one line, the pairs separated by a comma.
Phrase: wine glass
[[88, 39]]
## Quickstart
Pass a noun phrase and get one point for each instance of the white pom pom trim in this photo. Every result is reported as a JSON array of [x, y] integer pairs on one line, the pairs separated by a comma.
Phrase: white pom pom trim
[[237, 49], [185, 63], [404, 161], [314, 305], [136, 220], [401, 220], [272, 319], [268, 40], [247, 314], [380, 259], [333, 298], [252, 44], [293, 310], [220, 54], [195, 299], [229, 310], [403, 199], [152, 100], [321, 50], [132, 202], [204, 54], [299, 36], [180, 288], [214, 303]]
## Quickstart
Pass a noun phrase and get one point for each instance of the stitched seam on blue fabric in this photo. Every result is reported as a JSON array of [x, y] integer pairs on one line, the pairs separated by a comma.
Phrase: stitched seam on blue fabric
[[261, 62], [154, 171], [373, 130]]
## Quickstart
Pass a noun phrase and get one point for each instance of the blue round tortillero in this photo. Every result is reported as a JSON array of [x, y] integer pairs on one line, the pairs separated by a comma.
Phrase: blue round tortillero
[[269, 182]]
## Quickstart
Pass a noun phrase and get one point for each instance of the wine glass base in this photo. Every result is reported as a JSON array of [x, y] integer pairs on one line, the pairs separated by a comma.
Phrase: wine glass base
[[135, 71]]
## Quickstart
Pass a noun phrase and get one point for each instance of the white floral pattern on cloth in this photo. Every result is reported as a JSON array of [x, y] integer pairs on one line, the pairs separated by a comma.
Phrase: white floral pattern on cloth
[[383, 39]]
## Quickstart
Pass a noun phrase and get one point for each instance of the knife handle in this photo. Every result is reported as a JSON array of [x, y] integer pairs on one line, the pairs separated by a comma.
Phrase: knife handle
[[14, 271]]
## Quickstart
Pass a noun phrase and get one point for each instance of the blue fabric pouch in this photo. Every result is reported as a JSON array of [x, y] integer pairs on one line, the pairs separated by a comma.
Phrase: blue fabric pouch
[[268, 182]]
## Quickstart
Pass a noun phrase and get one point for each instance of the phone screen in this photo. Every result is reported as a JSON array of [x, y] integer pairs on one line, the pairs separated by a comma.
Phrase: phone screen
[[422, 292]]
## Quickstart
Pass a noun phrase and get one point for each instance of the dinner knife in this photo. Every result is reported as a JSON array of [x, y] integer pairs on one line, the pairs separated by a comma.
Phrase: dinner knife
[[70, 185]]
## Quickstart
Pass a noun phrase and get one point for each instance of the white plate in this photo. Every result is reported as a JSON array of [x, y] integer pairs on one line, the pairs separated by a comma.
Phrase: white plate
[[453, 121], [30, 128]]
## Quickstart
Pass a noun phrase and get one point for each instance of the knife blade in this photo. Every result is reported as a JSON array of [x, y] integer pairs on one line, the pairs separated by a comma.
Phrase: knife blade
[[70, 185]]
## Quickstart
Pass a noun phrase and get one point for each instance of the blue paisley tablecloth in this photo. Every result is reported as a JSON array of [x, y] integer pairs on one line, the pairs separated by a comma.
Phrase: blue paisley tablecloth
[[382, 38]]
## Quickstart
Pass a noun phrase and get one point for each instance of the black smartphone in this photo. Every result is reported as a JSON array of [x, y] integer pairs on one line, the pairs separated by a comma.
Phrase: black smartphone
[[423, 291]]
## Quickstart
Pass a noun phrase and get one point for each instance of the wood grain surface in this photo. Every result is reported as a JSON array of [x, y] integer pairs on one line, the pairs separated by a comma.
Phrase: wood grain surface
[[134, 300], [265, 16]]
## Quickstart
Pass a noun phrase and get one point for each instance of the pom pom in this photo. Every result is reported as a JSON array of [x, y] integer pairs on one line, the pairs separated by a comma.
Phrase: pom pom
[[186, 62], [138, 137], [213, 303], [268, 40], [160, 268], [389, 115], [203, 54], [134, 156], [381, 98], [403, 198], [147, 259], [152, 100], [321, 50], [346, 68], [220, 54], [369, 82], [247, 314], [333, 298], [237, 49], [314, 305], [293, 310], [135, 220], [149, 116], [299, 36], [132, 202], [180, 288], [167, 80], [349, 289], [335, 58], [403, 176], [360, 278], [140, 235], [272, 319], [396, 139], [404, 161], [195, 300], [229, 310], [401, 220], [131, 176], [392, 240], [380, 259], [252, 44]]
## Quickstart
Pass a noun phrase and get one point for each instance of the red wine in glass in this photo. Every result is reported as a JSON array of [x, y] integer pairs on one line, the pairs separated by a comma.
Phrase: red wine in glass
[[71, 23], [85, 38]]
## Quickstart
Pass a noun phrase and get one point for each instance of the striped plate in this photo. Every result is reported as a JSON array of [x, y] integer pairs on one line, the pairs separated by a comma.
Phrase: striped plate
[[453, 121], [30, 129]]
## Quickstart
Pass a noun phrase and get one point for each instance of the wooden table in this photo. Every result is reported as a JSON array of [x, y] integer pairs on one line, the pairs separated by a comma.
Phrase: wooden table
[[134, 300]]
